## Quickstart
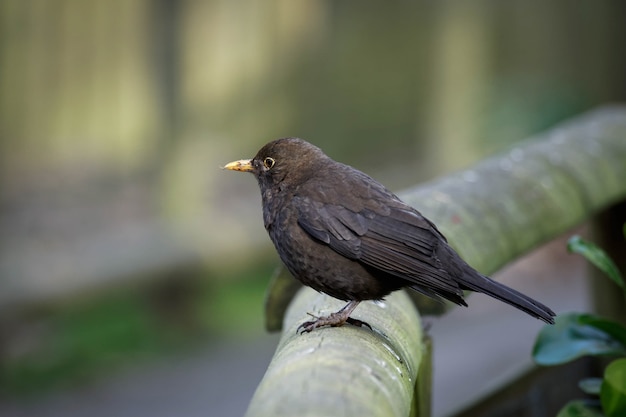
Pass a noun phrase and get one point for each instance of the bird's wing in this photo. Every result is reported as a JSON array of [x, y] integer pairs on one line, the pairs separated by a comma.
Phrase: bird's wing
[[397, 240]]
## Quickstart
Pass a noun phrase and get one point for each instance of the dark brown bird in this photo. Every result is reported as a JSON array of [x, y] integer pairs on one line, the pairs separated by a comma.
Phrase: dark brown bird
[[342, 233]]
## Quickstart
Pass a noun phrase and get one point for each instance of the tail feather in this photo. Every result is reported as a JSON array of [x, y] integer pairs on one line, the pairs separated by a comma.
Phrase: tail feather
[[480, 283]]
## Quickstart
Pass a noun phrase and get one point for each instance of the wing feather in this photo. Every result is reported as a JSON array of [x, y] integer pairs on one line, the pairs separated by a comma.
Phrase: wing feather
[[400, 242]]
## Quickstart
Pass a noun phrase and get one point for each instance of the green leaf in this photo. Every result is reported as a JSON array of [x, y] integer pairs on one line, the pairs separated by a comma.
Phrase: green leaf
[[613, 392], [570, 338], [612, 328], [590, 386], [596, 256], [579, 408]]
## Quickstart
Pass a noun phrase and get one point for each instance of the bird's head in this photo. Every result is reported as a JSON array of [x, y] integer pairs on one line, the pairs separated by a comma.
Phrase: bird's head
[[282, 163]]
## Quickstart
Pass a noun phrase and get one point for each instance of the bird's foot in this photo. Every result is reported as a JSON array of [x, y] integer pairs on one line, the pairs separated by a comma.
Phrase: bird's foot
[[330, 320], [334, 320]]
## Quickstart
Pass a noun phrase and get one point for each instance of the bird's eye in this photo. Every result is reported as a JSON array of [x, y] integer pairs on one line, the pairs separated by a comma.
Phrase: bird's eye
[[269, 163]]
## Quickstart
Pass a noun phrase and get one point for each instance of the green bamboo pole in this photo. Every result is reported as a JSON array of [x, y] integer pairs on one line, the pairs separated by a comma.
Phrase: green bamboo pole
[[511, 203], [346, 371]]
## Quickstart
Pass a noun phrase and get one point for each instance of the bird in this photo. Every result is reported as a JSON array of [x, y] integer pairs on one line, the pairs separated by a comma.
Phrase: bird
[[342, 233]]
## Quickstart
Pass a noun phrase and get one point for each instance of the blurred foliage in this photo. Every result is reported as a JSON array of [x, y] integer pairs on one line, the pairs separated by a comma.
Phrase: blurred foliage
[[65, 343], [598, 258], [579, 334]]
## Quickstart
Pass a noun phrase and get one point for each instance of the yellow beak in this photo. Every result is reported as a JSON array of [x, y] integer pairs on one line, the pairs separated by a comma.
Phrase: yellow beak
[[243, 165]]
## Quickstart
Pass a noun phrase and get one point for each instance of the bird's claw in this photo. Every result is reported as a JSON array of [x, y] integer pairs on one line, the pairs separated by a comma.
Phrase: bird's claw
[[333, 320], [358, 323]]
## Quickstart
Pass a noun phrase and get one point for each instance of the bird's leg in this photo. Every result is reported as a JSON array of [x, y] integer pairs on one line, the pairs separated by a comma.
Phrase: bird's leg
[[335, 319]]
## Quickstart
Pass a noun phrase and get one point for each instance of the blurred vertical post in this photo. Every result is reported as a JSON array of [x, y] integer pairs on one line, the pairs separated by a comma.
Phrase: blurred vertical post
[[460, 71], [608, 233]]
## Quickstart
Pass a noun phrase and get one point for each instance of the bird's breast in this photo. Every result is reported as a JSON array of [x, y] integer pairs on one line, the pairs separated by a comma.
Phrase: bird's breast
[[318, 266], [274, 203]]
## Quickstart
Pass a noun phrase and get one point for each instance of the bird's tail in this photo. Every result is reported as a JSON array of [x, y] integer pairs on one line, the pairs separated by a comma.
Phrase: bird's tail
[[475, 281]]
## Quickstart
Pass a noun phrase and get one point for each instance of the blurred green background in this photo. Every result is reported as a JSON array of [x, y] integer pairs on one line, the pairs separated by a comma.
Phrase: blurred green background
[[123, 241]]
